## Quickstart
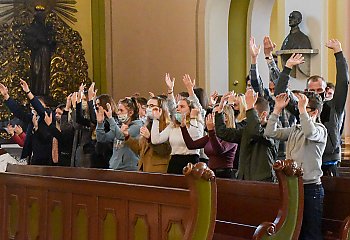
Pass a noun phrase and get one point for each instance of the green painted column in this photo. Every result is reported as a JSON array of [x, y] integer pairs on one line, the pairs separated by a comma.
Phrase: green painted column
[[237, 44], [99, 45]]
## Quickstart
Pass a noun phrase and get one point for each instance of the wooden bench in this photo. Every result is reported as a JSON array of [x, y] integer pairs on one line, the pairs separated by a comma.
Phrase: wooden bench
[[336, 210], [242, 205], [44, 207], [344, 171]]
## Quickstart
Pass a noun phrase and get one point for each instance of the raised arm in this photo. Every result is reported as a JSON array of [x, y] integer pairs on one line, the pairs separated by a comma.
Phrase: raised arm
[[283, 81], [254, 76], [269, 47], [309, 128], [271, 129], [193, 144], [170, 82], [342, 77], [14, 107]]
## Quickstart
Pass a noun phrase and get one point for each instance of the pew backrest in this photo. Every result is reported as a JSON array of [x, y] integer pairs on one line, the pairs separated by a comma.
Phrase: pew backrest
[[54, 207], [336, 208]]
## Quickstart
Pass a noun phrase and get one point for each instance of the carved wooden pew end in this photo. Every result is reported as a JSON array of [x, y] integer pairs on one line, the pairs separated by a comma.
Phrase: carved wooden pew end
[[45, 206]]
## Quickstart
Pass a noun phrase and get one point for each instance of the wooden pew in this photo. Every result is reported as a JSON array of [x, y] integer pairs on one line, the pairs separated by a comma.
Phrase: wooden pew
[[47, 207], [336, 210], [242, 205], [344, 171]]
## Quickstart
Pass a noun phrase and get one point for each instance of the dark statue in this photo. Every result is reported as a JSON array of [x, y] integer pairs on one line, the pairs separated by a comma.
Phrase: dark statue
[[296, 39], [39, 38]]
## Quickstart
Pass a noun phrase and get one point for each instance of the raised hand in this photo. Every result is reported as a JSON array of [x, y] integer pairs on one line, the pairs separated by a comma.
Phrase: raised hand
[[169, 82], [223, 100], [109, 111], [68, 102], [35, 121], [189, 84], [250, 97], [213, 98], [4, 91], [18, 129], [302, 102], [281, 102], [144, 132], [334, 44], [294, 60], [125, 129], [24, 86], [209, 121], [151, 94], [100, 114], [92, 92], [269, 46], [232, 98], [48, 118], [10, 129], [74, 99], [157, 112], [194, 113], [253, 49], [81, 92]]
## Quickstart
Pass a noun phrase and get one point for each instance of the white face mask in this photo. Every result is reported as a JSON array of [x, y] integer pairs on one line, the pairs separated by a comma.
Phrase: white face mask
[[123, 117], [149, 113]]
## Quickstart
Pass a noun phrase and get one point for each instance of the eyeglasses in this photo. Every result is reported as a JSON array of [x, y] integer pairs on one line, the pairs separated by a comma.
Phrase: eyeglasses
[[151, 105], [311, 109]]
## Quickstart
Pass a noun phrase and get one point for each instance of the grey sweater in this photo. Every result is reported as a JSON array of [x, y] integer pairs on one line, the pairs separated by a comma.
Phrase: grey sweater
[[123, 157], [305, 144], [332, 114]]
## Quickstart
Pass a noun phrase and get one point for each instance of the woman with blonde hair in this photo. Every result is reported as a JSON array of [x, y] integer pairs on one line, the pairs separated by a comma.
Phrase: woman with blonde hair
[[180, 154], [153, 157]]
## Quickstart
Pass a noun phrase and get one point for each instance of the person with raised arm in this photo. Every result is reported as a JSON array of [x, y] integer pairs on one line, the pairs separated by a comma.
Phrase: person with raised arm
[[123, 158], [180, 154], [221, 153], [37, 147], [257, 152], [153, 157], [305, 143], [332, 115]]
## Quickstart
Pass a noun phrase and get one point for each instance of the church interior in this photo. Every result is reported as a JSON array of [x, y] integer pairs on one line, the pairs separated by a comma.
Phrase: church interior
[[101, 119]]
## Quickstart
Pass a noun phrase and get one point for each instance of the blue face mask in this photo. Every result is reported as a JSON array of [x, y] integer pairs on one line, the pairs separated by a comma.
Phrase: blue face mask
[[178, 117], [149, 113]]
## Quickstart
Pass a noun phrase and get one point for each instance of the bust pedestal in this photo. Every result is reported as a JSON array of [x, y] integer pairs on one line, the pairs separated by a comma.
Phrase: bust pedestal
[[301, 71]]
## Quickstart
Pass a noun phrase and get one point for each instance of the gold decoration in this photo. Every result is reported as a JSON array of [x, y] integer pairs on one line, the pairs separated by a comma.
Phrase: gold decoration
[[68, 64]]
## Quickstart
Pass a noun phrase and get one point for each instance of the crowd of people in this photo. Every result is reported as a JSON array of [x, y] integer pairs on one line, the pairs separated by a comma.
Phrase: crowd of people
[[237, 135]]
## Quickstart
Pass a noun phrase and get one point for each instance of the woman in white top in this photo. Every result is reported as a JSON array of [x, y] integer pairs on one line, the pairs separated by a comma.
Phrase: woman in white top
[[180, 154]]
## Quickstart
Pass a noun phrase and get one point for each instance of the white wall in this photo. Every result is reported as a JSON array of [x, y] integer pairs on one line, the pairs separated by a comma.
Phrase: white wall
[[216, 42], [315, 26], [258, 25]]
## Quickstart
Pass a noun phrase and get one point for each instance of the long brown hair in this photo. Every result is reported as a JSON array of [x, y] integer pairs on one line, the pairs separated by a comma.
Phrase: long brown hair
[[131, 104], [104, 99]]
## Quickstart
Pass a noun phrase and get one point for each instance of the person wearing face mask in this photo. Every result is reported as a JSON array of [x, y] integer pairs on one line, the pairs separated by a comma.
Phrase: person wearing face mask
[[305, 143], [332, 114], [257, 153], [153, 157], [123, 158], [221, 153], [180, 154]]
